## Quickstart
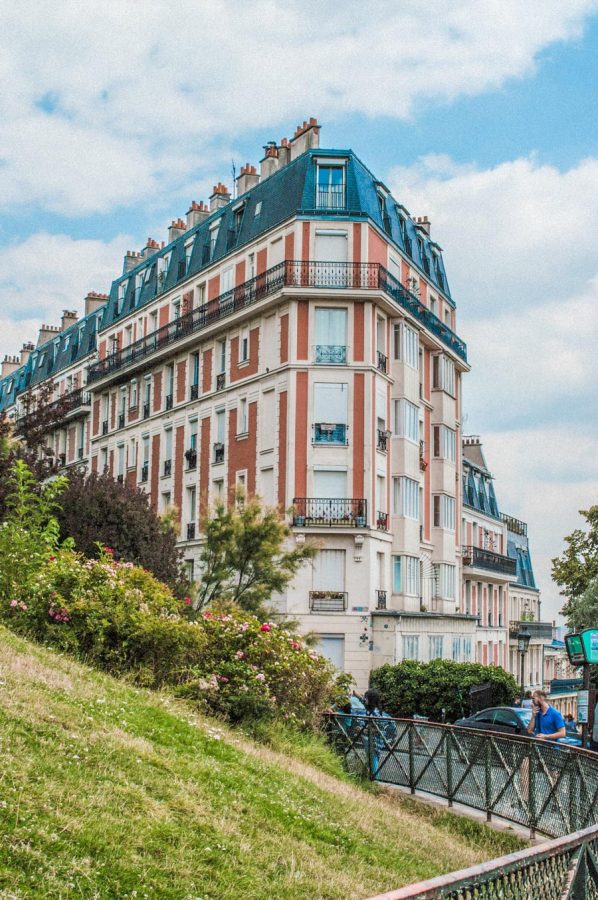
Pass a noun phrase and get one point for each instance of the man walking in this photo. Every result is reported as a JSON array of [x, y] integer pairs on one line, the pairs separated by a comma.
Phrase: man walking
[[546, 722]]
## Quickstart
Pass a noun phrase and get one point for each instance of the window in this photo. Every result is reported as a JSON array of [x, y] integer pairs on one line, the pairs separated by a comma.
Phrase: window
[[445, 580], [467, 649], [194, 369], [406, 497], [258, 209], [331, 335], [226, 280], [445, 443], [220, 426], [244, 345], [191, 503], [410, 646], [120, 461], [176, 309], [435, 646], [221, 357], [188, 253], [193, 434], [456, 648], [329, 570], [443, 374], [406, 344], [444, 512], [330, 413], [165, 500], [213, 238], [406, 575], [251, 264], [242, 426], [120, 300], [406, 420], [331, 187], [332, 648], [330, 484], [168, 444]]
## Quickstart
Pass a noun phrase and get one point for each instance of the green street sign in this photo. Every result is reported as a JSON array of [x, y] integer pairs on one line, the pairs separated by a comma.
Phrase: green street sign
[[575, 649], [589, 640]]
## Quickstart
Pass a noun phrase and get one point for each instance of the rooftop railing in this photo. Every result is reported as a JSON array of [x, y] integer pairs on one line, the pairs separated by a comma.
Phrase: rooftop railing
[[324, 275], [538, 630], [479, 558], [514, 525]]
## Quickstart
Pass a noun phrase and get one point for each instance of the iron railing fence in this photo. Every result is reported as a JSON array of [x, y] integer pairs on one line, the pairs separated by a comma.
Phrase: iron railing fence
[[329, 511], [290, 273], [548, 788], [79, 399], [563, 869], [538, 630], [488, 559]]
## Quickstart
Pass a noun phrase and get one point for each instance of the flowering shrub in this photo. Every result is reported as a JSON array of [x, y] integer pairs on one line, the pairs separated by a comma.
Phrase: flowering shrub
[[120, 618]]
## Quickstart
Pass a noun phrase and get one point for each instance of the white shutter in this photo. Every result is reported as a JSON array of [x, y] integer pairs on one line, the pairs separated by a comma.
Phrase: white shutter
[[267, 421], [329, 571], [331, 247], [329, 483], [330, 403], [332, 647], [331, 327]]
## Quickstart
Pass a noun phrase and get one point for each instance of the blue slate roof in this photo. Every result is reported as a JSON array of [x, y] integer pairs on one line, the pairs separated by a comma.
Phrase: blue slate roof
[[478, 491], [289, 192], [518, 549]]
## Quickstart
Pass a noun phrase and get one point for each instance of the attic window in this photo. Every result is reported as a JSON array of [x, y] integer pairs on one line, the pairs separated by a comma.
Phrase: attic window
[[258, 209], [42, 358], [9, 386], [330, 191], [404, 236]]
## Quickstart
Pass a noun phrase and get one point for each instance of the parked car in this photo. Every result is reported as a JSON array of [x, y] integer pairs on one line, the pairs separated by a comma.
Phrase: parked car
[[509, 720]]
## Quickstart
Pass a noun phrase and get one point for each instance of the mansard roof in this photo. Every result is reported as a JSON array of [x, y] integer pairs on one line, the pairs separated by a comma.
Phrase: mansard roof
[[518, 549]]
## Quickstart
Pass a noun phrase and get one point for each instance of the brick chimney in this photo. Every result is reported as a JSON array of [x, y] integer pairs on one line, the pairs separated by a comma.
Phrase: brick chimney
[[220, 197], [26, 352], [284, 152], [69, 317], [247, 179], [150, 248], [132, 258], [197, 213], [269, 164], [424, 223], [95, 301], [10, 364], [176, 229], [46, 333], [306, 137]]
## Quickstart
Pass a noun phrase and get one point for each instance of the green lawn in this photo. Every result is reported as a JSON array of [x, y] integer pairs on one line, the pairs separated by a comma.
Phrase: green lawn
[[109, 791]]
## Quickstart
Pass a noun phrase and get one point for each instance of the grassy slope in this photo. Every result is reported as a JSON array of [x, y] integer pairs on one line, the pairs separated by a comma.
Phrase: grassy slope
[[109, 791]]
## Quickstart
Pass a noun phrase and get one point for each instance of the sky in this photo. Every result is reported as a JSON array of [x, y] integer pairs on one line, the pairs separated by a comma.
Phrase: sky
[[481, 114]]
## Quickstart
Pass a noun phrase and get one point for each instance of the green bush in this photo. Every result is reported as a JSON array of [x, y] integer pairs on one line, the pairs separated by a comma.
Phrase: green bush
[[428, 688]]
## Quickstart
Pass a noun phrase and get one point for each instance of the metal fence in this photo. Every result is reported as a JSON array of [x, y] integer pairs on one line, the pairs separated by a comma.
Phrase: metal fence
[[551, 789]]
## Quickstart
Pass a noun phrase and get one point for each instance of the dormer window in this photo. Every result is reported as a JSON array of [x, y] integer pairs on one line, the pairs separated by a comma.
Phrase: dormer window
[[163, 263], [120, 300], [404, 236], [213, 238], [238, 218], [188, 253], [330, 192], [258, 209]]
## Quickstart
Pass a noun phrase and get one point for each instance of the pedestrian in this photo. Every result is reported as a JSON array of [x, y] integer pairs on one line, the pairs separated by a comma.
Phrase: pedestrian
[[527, 702], [546, 723], [571, 726]]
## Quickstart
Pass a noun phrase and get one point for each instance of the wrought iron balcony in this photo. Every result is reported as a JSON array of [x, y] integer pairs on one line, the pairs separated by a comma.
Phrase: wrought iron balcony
[[191, 457], [69, 406], [380, 599], [220, 381], [146, 410], [382, 521], [191, 531], [168, 401], [121, 420], [167, 467], [382, 362], [382, 440], [329, 512], [80, 452], [291, 274], [144, 472], [331, 199], [538, 630], [330, 433], [328, 601], [194, 392], [331, 354], [514, 525], [218, 453], [105, 426], [478, 558]]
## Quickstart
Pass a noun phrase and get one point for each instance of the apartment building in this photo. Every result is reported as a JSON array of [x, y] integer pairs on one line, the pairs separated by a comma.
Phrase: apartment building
[[296, 338]]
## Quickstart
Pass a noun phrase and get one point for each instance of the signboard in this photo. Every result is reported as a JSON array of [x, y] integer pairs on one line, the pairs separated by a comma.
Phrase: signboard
[[582, 707], [589, 639], [575, 649]]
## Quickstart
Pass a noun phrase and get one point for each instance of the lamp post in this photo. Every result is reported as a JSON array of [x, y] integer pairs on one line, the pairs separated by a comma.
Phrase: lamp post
[[523, 639]]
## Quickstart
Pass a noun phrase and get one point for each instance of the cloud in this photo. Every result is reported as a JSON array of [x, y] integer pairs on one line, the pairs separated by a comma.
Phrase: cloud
[[47, 273], [519, 246], [115, 102]]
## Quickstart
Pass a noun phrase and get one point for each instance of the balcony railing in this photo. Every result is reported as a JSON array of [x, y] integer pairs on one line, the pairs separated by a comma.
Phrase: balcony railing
[[329, 512], [218, 453], [105, 426], [146, 410], [167, 467], [191, 531], [328, 601], [191, 457], [144, 472], [538, 630], [220, 381], [329, 433], [194, 392], [291, 273], [331, 354], [333, 199], [479, 558], [382, 521], [514, 525], [382, 362], [80, 452], [77, 401], [382, 440], [380, 599], [168, 401], [121, 420]]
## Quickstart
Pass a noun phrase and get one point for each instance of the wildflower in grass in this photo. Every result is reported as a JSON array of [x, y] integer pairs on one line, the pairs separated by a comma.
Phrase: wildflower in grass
[[260, 676], [187, 601], [14, 603], [239, 654]]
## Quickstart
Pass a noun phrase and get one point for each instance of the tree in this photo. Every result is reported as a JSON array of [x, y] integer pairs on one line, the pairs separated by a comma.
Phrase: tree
[[243, 557], [96, 509], [577, 568]]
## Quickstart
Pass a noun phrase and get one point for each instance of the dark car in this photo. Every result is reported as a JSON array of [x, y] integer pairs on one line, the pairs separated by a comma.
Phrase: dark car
[[508, 719]]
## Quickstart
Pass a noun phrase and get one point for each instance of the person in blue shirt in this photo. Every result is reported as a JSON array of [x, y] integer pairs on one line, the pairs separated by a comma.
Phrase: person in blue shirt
[[546, 722]]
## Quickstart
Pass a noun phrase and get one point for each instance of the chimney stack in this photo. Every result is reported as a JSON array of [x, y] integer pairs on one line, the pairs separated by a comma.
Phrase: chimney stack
[[150, 248], [176, 229], [306, 137], [284, 152], [269, 164], [10, 364], [220, 197], [247, 179], [424, 223], [26, 352], [46, 333], [197, 212], [95, 301], [132, 258], [69, 317]]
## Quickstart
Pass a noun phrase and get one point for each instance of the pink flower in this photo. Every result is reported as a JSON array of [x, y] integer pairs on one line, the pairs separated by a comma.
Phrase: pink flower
[[295, 645], [239, 654], [187, 601], [266, 627], [51, 558], [108, 550], [222, 678], [260, 676], [22, 605], [13, 603]]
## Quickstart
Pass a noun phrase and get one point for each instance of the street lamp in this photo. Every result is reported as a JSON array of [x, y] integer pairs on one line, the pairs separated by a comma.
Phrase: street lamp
[[523, 639]]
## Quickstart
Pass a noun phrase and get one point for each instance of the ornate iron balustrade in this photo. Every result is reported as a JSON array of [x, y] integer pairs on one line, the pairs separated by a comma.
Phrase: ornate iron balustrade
[[105, 426], [121, 420], [169, 399], [382, 362], [331, 199], [538, 630], [329, 511], [331, 354], [191, 457], [382, 440], [194, 392], [382, 521], [330, 433], [380, 599], [220, 381], [144, 472], [514, 525], [548, 788], [488, 559], [291, 273], [191, 531], [218, 453], [146, 410], [328, 601], [167, 467], [77, 401]]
